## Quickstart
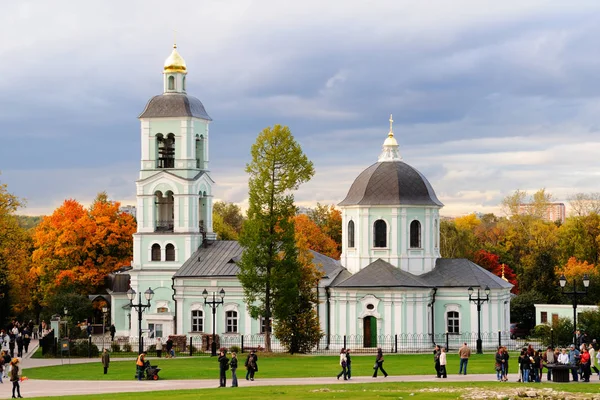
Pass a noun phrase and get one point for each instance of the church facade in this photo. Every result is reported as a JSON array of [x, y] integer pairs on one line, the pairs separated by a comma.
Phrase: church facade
[[390, 280]]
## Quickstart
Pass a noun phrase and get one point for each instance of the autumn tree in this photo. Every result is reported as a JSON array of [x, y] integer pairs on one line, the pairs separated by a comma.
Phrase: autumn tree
[[270, 271], [457, 240], [582, 204], [15, 251], [491, 262], [315, 238], [75, 248], [227, 220], [329, 220], [574, 270], [579, 237]]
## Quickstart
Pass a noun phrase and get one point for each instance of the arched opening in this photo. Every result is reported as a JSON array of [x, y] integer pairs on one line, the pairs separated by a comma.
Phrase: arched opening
[[369, 331], [171, 82], [415, 235], [170, 252], [202, 211], [351, 234], [199, 151], [165, 212], [380, 233], [435, 234], [183, 84], [166, 150], [155, 256]]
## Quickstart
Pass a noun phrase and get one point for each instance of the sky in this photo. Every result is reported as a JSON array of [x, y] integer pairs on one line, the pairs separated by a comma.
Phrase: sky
[[488, 97]]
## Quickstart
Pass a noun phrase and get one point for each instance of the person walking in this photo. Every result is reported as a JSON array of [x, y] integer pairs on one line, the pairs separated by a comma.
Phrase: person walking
[[443, 363], [343, 364], [379, 363], [348, 364], [436, 359], [158, 348], [592, 351], [15, 377], [234, 364], [140, 364], [251, 365], [505, 358], [223, 367], [112, 330], [26, 339], [170, 352], [464, 353], [105, 360], [498, 364]]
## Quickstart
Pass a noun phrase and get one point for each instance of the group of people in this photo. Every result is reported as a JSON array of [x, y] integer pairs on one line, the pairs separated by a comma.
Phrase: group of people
[[225, 364], [346, 364], [16, 335]]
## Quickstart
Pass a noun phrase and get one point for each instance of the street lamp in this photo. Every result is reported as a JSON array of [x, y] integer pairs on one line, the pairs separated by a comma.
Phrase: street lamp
[[479, 301], [66, 311], [574, 294], [213, 304], [104, 311], [139, 307]]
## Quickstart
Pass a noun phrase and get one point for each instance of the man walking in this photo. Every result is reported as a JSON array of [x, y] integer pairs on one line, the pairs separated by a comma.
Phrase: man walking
[[464, 353]]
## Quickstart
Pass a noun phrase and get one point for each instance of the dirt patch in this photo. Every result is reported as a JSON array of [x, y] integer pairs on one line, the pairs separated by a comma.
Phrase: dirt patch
[[513, 393]]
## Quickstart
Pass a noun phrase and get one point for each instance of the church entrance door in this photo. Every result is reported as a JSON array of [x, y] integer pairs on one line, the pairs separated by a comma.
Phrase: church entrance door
[[370, 332]]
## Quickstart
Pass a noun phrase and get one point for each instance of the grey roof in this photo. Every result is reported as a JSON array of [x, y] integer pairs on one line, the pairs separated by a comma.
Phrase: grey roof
[[382, 274], [460, 272], [391, 183], [448, 272], [118, 282], [217, 259], [174, 105]]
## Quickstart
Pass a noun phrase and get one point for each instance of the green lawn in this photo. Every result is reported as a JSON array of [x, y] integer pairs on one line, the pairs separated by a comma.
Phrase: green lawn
[[272, 366], [380, 390]]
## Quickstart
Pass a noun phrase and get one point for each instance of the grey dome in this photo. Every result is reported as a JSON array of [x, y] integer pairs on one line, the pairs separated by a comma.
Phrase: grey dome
[[174, 105], [391, 183]]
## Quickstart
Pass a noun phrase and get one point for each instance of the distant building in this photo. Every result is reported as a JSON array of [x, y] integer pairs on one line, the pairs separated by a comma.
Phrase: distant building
[[128, 210], [554, 211], [548, 313], [303, 210]]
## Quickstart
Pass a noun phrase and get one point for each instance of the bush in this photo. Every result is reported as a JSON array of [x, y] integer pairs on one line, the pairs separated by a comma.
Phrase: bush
[[114, 347], [559, 334], [234, 349], [127, 348], [79, 348]]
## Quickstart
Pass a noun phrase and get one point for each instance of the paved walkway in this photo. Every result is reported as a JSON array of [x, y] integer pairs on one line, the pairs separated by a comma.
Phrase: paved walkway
[[38, 388]]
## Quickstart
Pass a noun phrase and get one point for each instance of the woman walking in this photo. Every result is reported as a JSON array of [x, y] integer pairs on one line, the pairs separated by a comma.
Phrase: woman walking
[[223, 367], [443, 363], [498, 364], [251, 365], [379, 364], [505, 357], [436, 359], [15, 377], [343, 365]]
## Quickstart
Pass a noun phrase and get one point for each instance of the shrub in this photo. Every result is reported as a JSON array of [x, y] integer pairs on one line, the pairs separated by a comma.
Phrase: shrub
[[235, 349], [79, 348], [127, 348], [559, 334], [114, 347]]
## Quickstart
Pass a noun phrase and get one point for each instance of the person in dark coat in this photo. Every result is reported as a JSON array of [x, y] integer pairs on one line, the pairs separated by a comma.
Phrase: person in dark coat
[[437, 351], [26, 339], [113, 330], [11, 345], [223, 367], [251, 365], [234, 364], [379, 363], [105, 360], [170, 352], [348, 364], [15, 377], [19, 341]]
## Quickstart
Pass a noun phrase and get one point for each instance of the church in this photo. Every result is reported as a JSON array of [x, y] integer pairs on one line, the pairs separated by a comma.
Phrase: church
[[390, 280]]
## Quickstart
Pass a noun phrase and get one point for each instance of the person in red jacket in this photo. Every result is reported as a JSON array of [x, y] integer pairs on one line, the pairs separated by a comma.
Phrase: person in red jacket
[[585, 363]]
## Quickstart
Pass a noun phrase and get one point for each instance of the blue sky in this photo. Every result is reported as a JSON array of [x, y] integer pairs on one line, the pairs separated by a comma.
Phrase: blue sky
[[487, 97]]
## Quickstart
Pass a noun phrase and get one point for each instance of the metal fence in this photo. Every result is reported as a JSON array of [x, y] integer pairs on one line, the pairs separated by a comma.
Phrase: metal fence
[[329, 344]]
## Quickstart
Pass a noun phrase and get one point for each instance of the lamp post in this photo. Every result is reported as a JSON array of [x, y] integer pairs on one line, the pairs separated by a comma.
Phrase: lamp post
[[140, 307], [66, 311], [104, 311], [213, 304], [574, 294], [479, 301]]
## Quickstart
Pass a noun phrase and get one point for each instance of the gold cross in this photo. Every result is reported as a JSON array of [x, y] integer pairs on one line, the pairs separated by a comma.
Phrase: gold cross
[[391, 122], [174, 39]]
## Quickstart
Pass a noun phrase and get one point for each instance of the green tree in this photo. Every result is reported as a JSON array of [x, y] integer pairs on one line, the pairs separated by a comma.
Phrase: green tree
[[231, 217], [270, 271], [457, 241]]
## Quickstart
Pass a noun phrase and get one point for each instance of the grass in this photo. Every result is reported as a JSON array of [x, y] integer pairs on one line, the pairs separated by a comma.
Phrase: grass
[[412, 390], [271, 366]]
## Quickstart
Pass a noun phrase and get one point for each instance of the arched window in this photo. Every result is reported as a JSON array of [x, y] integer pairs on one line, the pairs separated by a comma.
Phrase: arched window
[[197, 321], [351, 233], [171, 83], [170, 252], [156, 252], [453, 322], [166, 150], [380, 233], [415, 235], [231, 321], [183, 84], [165, 211], [199, 151], [435, 234]]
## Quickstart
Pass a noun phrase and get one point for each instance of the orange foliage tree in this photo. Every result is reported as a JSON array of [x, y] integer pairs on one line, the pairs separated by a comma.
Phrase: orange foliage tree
[[490, 261], [315, 238], [75, 249]]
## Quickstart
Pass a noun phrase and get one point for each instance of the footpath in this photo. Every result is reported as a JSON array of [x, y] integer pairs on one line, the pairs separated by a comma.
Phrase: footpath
[[37, 388]]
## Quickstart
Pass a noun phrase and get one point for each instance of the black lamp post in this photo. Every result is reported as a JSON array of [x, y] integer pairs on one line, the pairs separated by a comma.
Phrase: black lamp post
[[66, 311], [213, 304], [574, 294], [139, 307], [479, 301], [104, 311]]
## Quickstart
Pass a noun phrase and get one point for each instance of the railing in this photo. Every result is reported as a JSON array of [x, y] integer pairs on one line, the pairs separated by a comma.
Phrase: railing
[[165, 226], [329, 344]]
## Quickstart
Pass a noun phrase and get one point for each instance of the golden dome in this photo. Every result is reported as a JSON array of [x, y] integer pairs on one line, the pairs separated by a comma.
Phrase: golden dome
[[175, 63]]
